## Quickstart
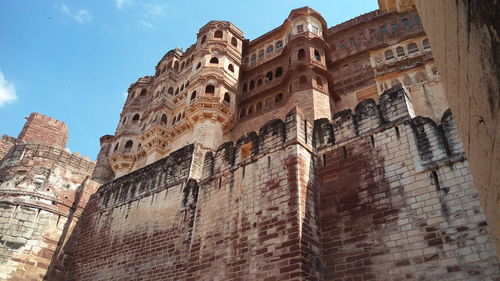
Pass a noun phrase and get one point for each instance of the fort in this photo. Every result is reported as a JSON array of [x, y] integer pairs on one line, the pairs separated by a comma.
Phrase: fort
[[308, 153]]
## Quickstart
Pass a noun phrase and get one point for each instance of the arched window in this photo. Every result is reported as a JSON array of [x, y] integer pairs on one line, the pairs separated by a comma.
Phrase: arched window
[[319, 82], [124, 119], [394, 27], [143, 92], [245, 86], [259, 82], [278, 72], [234, 42], [176, 65], [198, 65], [406, 22], [171, 91], [174, 120], [400, 51], [210, 89], [269, 50], [176, 91], [203, 39], [218, 34], [317, 55], [182, 65], [258, 107], [182, 87], [230, 67], [389, 55], [352, 42], [193, 95], [164, 118], [187, 83], [278, 98], [426, 45], [302, 81], [412, 48], [214, 60], [227, 98], [279, 45], [301, 54], [269, 76], [250, 110], [136, 117], [341, 44], [252, 84], [128, 146], [254, 58], [116, 146], [261, 54]]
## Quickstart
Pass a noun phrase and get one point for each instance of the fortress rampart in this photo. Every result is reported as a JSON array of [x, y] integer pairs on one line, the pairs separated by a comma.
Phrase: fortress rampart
[[374, 194], [43, 191]]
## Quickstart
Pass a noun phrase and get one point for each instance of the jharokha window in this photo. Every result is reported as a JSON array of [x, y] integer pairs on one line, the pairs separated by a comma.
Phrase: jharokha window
[[210, 89], [301, 54]]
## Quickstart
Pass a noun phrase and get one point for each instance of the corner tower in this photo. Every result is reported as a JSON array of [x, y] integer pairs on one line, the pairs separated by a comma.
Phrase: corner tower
[[211, 101], [307, 58], [192, 96]]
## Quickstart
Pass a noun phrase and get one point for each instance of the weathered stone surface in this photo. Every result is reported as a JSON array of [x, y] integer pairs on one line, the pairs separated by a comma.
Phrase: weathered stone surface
[[375, 206], [43, 190]]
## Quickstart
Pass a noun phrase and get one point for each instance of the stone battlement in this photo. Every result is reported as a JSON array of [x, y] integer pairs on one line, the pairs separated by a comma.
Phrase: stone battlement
[[436, 144], [41, 129], [28, 152], [172, 170], [336, 184]]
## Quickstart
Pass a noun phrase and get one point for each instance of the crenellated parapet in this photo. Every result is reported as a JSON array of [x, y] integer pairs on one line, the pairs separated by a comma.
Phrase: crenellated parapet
[[43, 191], [172, 170]]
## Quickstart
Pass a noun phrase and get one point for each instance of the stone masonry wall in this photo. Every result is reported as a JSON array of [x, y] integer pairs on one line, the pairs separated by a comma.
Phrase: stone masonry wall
[[374, 195], [398, 203], [466, 46], [41, 129], [246, 217], [6, 143], [43, 191]]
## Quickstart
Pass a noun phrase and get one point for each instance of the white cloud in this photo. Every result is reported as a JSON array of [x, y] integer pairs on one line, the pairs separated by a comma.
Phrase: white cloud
[[7, 91], [145, 24], [122, 4], [63, 8], [155, 10], [82, 16]]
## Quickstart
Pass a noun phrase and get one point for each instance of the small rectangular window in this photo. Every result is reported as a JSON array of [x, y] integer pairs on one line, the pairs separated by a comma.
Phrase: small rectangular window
[[300, 28], [315, 29]]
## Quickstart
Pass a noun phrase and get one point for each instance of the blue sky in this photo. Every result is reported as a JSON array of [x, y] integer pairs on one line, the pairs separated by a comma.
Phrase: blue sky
[[74, 60]]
